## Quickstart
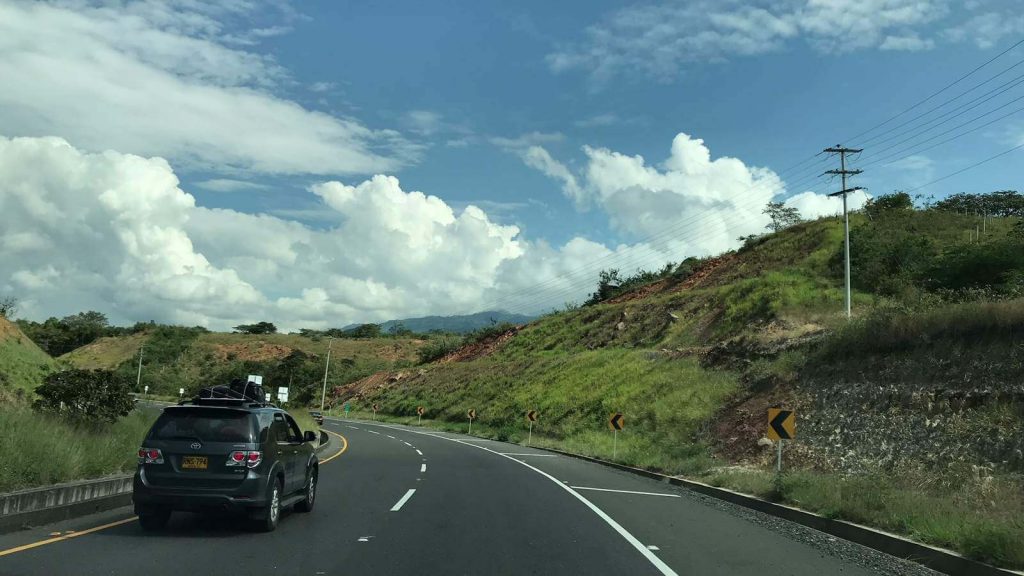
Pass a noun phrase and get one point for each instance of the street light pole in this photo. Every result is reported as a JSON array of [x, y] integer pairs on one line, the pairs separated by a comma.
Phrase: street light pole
[[323, 395]]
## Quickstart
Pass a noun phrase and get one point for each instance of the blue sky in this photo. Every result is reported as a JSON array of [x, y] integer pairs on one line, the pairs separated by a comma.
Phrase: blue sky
[[519, 122], [480, 70]]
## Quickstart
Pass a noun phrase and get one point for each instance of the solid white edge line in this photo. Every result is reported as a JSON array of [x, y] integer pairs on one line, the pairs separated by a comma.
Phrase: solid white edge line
[[524, 454], [625, 491], [423, 467], [654, 560], [404, 499]]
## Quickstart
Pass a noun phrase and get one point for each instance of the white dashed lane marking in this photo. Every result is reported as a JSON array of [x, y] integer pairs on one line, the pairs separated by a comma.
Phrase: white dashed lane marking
[[400, 503]]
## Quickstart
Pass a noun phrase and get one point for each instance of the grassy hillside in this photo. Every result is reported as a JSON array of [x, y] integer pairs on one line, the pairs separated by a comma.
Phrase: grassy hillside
[[178, 357], [22, 364], [917, 398]]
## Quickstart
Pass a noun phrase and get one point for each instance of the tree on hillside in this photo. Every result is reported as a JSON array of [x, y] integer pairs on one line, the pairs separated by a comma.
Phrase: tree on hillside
[[364, 331], [399, 329], [257, 328], [85, 395], [8, 306], [59, 337], [608, 283], [889, 204], [782, 216], [1001, 203]]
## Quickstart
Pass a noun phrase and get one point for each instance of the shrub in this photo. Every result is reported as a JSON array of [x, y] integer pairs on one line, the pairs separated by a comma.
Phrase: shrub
[[438, 348], [85, 394]]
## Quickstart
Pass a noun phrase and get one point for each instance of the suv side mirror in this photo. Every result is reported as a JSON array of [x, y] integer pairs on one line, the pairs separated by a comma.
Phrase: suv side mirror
[[309, 436]]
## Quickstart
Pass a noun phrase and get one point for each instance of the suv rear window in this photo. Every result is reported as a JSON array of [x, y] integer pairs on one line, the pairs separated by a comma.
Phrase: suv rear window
[[204, 425]]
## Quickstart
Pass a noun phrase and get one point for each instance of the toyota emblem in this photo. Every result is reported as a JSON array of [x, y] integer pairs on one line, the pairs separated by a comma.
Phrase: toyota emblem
[[196, 445]]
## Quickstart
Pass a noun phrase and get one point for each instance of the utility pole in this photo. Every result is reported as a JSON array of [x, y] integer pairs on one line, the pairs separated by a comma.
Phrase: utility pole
[[323, 395], [843, 151], [138, 379]]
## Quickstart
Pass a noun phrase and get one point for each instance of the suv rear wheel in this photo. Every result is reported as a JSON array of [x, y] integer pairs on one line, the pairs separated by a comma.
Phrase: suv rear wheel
[[306, 505], [270, 515], [153, 520]]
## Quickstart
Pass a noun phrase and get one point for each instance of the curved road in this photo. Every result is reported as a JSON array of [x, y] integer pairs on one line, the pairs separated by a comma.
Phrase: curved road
[[409, 501]]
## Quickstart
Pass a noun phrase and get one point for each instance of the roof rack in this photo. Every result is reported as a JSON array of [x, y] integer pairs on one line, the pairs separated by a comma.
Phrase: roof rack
[[223, 396]]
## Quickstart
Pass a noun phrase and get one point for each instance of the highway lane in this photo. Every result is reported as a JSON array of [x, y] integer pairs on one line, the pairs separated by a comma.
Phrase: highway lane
[[410, 501]]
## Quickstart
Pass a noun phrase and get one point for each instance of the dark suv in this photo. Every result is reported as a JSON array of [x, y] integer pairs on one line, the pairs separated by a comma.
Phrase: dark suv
[[225, 454]]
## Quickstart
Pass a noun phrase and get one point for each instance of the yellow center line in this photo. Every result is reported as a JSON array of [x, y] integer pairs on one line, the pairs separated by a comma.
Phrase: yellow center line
[[65, 537], [344, 447], [56, 539]]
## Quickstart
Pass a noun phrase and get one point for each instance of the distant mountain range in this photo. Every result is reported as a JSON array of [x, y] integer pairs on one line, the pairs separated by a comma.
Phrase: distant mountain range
[[458, 324]]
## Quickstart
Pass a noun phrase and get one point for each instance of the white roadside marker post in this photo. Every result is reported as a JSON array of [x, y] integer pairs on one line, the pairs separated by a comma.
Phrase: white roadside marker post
[[615, 442], [778, 460], [529, 438]]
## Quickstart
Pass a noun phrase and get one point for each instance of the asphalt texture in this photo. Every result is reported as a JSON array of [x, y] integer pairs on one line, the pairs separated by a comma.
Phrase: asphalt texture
[[478, 507]]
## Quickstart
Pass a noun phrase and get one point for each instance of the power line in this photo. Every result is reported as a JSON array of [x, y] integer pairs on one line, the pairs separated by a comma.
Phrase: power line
[[957, 97], [940, 91], [965, 107], [971, 167], [620, 256]]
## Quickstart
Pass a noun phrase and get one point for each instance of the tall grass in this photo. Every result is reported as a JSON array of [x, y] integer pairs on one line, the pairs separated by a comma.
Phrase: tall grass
[[893, 329], [981, 518], [37, 449]]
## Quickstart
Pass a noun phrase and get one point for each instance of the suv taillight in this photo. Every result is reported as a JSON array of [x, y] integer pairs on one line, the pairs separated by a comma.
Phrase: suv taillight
[[150, 456], [249, 459]]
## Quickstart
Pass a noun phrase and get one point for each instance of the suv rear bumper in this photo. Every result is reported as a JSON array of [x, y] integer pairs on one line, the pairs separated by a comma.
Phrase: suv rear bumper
[[250, 493]]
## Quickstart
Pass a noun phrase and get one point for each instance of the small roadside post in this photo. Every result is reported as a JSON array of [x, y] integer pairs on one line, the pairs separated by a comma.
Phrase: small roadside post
[[781, 426], [181, 393], [375, 408], [616, 422], [145, 391], [348, 408], [471, 414], [419, 415], [531, 417]]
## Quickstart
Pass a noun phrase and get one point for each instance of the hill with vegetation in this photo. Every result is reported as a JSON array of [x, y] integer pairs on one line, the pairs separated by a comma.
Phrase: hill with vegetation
[[22, 363], [910, 417], [175, 357], [460, 324]]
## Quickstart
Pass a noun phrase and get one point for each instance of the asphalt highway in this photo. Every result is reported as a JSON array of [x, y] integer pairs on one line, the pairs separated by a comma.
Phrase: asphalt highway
[[403, 500]]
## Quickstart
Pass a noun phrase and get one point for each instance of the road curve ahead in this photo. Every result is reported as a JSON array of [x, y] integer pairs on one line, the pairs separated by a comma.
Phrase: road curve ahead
[[405, 500]]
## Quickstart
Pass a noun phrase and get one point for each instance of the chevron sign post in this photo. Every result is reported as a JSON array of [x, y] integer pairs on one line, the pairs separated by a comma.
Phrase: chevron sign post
[[781, 426]]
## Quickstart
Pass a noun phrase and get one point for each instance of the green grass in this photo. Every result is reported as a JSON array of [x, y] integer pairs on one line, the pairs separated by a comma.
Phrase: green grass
[[23, 365], [107, 353], [37, 450], [981, 518]]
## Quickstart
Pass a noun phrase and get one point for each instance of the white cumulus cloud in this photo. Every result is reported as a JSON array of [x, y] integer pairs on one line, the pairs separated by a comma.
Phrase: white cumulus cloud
[[158, 78]]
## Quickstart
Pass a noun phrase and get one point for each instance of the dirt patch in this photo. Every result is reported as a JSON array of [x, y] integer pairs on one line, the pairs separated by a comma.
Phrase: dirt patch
[[480, 349], [8, 329], [255, 351], [667, 285], [739, 426]]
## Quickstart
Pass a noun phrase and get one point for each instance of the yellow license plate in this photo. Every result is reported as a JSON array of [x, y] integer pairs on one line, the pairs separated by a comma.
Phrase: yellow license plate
[[194, 462]]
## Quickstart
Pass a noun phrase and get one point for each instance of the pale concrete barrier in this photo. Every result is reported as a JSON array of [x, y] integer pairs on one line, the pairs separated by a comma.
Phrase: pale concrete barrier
[[37, 506]]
